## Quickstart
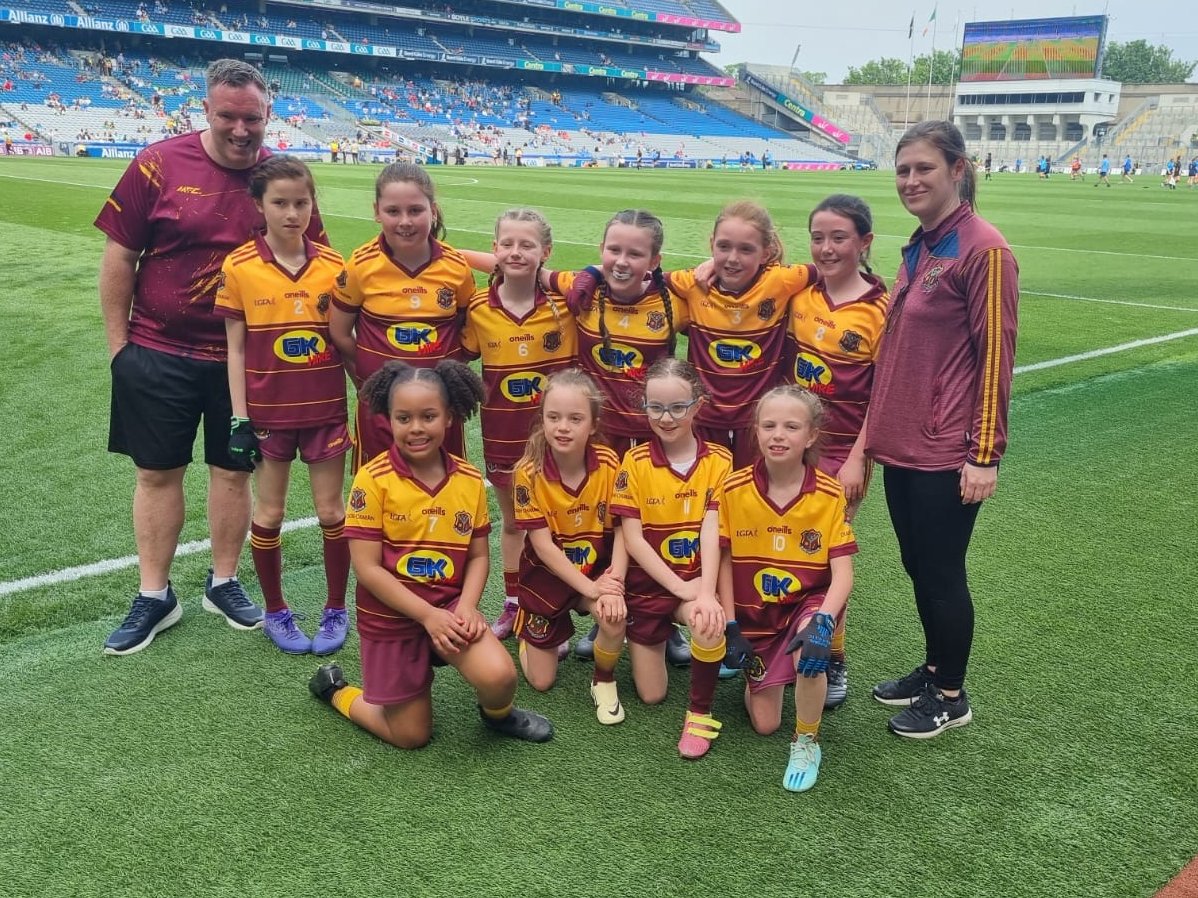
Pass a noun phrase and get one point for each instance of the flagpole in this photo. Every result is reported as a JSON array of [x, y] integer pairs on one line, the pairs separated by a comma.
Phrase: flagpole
[[910, 70], [931, 67]]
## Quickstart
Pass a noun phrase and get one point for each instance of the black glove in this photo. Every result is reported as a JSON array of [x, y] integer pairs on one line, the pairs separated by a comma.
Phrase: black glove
[[739, 652], [814, 644], [243, 442]]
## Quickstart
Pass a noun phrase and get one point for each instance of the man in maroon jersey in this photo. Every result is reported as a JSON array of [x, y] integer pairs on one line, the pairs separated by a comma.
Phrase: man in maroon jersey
[[178, 210]]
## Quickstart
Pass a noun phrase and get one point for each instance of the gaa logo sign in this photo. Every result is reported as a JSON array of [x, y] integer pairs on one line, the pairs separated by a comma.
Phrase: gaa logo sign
[[774, 585], [617, 358], [523, 387], [426, 567], [680, 548], [301, 347], [733, 353]]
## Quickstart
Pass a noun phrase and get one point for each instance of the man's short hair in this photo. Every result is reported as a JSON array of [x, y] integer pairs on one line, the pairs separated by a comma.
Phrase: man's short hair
[[235, 73]]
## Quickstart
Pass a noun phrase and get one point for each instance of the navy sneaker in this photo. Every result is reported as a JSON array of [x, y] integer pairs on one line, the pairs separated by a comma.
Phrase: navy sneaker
[[230, 601], [838, 684], [904, 690], [585, 647], [330, 635], [520, 724], [931, 714], [146, 619], [678, 649], [326, 681]]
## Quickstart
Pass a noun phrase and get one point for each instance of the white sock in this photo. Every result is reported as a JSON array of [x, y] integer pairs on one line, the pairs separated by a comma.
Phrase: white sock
[[221, 581], [159, 594]]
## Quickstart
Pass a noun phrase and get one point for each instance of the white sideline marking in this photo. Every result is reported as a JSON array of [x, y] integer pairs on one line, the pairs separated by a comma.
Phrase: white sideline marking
[[1110, 350], [67, 575], [1113, 302]]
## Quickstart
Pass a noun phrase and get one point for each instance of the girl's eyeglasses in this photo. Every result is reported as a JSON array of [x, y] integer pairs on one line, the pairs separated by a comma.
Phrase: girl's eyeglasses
[[675, 410]]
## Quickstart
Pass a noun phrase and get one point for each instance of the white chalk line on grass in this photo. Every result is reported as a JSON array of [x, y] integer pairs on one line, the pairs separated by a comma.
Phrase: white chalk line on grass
[[108, 566], [1113, 302], [601, 212]]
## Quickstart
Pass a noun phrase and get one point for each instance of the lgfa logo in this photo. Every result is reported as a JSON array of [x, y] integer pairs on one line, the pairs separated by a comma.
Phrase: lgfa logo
[[617, 358], [733, 353], [581, 554], [523, 387], [813, 373], [680, 548], [412, 336], [302, 347], [426, 566], [774, 585]]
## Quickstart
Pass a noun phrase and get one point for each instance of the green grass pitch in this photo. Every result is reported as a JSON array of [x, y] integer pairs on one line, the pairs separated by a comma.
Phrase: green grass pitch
[[202, 766]]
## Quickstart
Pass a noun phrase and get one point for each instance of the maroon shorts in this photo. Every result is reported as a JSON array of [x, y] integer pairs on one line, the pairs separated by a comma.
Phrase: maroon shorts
[[500, 475], [543, 619], [399, 668], [771, 665], [740, 441], [314, 444], [651, 618], [374, 437]]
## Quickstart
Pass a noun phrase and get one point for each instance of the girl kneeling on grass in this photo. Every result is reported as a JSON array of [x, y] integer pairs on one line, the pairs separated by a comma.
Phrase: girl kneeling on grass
[[417, 527], [786, 563]]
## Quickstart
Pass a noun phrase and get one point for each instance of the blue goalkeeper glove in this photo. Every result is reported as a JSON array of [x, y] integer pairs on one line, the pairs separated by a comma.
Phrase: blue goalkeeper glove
[[738, 654], [814, 644], [243, 442]]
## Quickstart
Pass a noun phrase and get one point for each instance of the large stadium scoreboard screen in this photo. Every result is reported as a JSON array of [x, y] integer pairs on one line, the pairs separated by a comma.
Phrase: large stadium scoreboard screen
[[1033, 49]]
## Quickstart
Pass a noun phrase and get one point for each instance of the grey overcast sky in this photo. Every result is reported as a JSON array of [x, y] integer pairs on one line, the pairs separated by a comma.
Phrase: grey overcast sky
[[834, 36]]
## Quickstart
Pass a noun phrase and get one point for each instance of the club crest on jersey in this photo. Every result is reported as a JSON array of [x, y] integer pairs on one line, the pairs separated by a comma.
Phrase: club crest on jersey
[[580, 553], [618, 358], [445, 297], [343, 278], [414, 336], [323, 301], [463, 523], [813, 373], [523, 387], [551, 341], [535, 626], [766, 310], [426, 566], [622, 481], [680, 548], [850, 341], [357, 499], [775, 585], [302, 347], [601, 511], [733, 353], [656, 321], [756, 669], [810, 541], [932, 278], [521, 495]]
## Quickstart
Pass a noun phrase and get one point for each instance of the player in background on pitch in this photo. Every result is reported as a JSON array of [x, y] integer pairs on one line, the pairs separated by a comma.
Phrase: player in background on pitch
[[288, 390], [417, 526]]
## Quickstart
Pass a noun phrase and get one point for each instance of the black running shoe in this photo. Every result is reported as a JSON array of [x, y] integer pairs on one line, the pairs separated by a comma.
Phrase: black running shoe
[[147, 618], [520, 724], [326, 681], [904, 690], [230, 601], [585, 647], [931, 714], [678, 650]]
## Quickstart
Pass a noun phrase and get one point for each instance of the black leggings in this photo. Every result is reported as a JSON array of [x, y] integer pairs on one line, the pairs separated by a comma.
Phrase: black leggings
[[933, 530]]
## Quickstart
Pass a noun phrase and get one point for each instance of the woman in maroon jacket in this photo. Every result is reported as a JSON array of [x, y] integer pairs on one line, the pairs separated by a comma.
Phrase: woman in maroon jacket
[[938, 415]]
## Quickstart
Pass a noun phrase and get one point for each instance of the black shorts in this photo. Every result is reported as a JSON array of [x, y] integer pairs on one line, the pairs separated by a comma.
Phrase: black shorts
[[158, 400]]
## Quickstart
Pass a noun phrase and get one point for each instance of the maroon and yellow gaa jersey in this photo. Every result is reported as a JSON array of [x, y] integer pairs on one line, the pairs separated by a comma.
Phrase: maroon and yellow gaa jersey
[[737, 340], [579, 520], [413, 316], [426, 533], [293, 373], [670, 507], [638, 336], [518, 355], [833, 351], [779, 555]]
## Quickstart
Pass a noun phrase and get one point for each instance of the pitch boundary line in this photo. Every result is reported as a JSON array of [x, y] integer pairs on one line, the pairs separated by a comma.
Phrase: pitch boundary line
[[110, 565]]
